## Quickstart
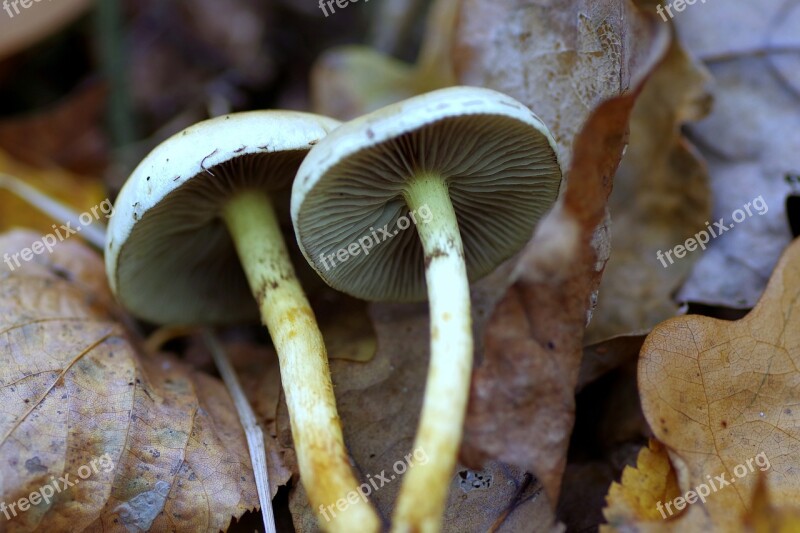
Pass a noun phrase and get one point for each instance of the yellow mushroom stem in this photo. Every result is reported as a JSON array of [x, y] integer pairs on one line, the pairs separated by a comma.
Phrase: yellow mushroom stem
[[317, 433], [423, 495]]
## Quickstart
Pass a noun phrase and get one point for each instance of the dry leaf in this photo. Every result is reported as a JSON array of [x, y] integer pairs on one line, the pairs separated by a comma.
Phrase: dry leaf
[[750, 140], [522, 405], [147, 442], [722, 397], [661, 198]]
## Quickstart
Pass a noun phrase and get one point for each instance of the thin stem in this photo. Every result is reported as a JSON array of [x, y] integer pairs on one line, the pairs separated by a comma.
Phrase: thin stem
[[316, 430], [94, 233], [423, 495], [253, 432]]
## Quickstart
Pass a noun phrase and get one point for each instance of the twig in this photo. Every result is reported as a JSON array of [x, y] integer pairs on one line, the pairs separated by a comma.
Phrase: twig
[[95, 233], [255, 436]]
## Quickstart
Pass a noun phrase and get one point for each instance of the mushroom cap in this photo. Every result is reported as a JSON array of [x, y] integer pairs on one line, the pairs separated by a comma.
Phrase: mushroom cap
[[169, 256], [497, 157]]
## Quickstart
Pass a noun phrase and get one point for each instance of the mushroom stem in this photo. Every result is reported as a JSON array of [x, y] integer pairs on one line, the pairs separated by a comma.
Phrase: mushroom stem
[[424, 492], [285, 311]]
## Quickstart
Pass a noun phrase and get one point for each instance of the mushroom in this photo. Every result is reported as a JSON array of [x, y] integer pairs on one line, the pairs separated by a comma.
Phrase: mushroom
[[195, 237], [473, 170]]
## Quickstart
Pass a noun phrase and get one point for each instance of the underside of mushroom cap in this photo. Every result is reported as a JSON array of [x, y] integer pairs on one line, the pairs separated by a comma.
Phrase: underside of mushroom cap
[[169, 256], [497, 158]]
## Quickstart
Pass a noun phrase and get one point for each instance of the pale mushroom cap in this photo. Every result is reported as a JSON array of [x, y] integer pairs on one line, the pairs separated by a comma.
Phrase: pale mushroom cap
[[498, 159], [169, 256]]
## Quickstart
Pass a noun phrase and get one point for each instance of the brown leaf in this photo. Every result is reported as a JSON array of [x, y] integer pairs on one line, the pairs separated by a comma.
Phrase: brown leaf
[[661, 198], [149, 443], [522, 405], [722, 397]]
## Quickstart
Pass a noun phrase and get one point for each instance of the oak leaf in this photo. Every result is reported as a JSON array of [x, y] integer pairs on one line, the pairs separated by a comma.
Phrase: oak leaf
[[722, 397]]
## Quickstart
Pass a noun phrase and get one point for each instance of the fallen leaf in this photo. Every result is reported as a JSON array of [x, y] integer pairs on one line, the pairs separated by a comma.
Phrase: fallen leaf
[[750, 141], [661, 198], [522, 404], [149, 443], [722, 397]]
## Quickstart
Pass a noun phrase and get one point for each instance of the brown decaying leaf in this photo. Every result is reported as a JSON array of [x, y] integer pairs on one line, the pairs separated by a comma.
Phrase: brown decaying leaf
[[661, 197], [718, 394], [522, 405], [169, 446]]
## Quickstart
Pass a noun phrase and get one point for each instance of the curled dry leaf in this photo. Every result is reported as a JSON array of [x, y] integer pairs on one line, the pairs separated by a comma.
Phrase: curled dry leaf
[[147, 442], [522, 405], [750, 141], [661, 198], [723, 396]]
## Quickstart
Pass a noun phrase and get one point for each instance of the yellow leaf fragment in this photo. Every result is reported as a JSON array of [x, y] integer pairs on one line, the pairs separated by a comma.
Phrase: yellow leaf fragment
[[651, 481]]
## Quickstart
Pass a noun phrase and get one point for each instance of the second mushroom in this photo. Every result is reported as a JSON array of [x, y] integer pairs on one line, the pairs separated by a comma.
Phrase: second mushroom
[[475, 170]]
